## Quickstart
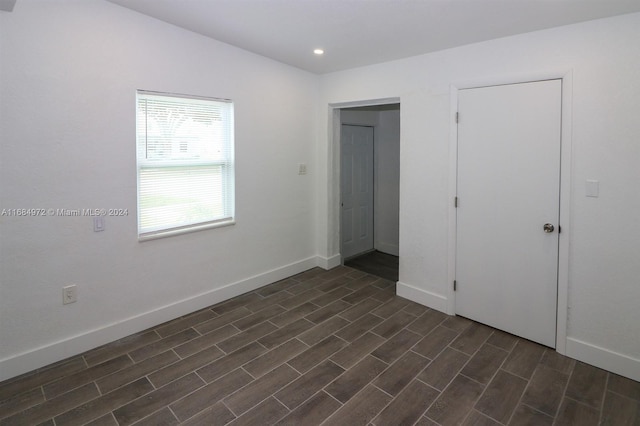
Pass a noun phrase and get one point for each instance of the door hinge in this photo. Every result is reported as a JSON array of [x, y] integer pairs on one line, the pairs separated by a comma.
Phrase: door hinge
[[455, 285], [455, 202], [559, 229], [457, 117]]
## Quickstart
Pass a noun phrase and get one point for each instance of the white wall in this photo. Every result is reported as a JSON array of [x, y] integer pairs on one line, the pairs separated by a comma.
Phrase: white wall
[[69, 71], [387, 177], [603, 319]]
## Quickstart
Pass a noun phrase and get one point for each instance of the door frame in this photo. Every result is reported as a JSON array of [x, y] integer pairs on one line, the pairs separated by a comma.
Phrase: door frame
[[565, 187], [334, 231]]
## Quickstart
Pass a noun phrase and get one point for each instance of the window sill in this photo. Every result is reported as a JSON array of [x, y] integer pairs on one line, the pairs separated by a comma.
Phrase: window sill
[[184, 230]]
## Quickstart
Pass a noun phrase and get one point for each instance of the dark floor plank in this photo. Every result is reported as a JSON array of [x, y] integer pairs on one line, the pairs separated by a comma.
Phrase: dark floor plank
[[136, 371], [120, 347], [501, 396], [205, 341], [587, 385], [162, 417], [527, 416], [323, 330], [356, 378], [163, 344], [624, 386], [83, 377], [223, 320], [216, 415], [267, 413], [258, 390], [260, 316], [105, 404], [285, 333], [360, 309], [394, 347], [484, 364], [241, 339], [358, 327], [457, 400], [394, 324], [151, 402], [185, 322], [619, 410], [316, 354], [427, 321], [361, 409], [444, 368], [228, 363], [356, 350], [312, 412], [210, 394], [53, 407], [294, 314], [472, 338], [308, 384], [545, 390], [409, 405], [178, 369], [29, 381], [573, 413], [275, 357], [401, 372], [433, 343], [524, 358], [21, 402]]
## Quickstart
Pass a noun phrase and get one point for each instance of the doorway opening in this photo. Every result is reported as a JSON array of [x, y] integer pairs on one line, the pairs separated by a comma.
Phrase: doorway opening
[[369, 188]]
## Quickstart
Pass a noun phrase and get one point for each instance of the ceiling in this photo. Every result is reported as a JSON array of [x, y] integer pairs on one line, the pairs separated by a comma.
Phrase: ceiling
[[355, 33]]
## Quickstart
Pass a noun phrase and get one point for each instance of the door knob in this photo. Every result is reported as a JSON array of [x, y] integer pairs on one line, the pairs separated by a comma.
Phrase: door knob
[[548, 228]]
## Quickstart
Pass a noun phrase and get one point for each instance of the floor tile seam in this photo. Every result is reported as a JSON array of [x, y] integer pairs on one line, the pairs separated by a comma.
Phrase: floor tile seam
[[317, 364], [564, 392], [279, 365], [517, 375], [473, 380], [424, 413], [454, 376], [272, 394], [2, 417], [359, 359], [524, 391], [632, 399], [453, 329], [486, 386], [170, 348], [604, 398], [536, 410]]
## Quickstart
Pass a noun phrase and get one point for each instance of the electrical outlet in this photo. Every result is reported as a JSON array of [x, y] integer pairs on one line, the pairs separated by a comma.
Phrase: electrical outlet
[[69, 294]]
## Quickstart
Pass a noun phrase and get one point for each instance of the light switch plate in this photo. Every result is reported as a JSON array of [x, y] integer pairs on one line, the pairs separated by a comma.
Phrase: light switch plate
[[592, 188]]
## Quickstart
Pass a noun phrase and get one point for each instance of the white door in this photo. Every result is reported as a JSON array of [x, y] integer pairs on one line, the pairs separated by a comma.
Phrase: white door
[[356, 175], [508, 200]]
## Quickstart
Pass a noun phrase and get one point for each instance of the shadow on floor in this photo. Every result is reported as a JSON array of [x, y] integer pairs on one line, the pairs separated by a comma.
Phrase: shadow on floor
[[376, 263]]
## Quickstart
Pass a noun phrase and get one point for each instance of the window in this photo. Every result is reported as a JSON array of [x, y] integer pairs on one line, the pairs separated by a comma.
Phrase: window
[[185, 163]]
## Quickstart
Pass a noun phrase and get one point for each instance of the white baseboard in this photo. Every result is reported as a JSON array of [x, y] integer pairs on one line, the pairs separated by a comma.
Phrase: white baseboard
[[45, 355], [328, 262], [604, 358], [423, 297]]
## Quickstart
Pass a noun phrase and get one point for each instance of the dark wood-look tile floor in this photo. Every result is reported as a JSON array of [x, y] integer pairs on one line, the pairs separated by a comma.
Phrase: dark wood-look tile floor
[[376, 263], [331, 347]]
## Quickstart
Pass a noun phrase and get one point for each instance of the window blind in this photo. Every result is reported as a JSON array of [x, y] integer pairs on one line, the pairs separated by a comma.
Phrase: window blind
[[185, 162]]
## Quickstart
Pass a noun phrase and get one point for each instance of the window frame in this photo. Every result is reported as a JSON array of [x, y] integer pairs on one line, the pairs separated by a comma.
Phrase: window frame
[[227, 193]]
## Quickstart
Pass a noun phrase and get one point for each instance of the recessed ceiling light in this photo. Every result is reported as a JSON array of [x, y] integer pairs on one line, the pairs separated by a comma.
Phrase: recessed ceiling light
[[318, 51]]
